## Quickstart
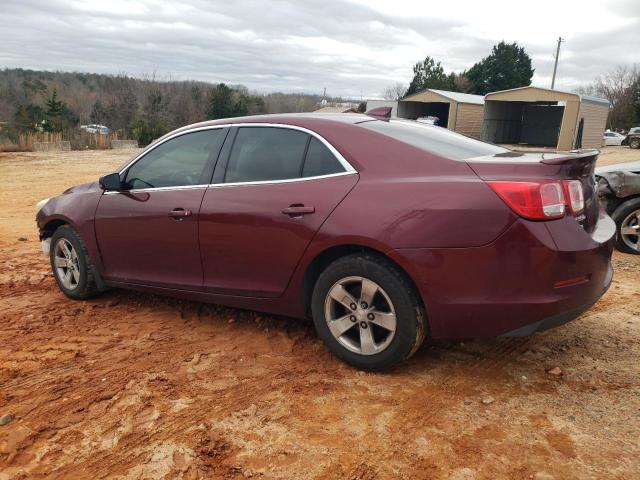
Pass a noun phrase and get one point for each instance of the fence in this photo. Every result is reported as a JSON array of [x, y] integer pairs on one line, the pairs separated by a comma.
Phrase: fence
[[62, 146], [76, 140], [119, 144], [82, 140], [26, 140]]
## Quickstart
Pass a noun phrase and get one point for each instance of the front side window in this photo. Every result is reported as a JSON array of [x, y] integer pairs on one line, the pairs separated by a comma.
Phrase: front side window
[[266, 153], [181, 161]]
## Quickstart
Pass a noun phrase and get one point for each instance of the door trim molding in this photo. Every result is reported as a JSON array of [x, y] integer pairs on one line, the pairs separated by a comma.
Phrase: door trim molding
[[287, 180]]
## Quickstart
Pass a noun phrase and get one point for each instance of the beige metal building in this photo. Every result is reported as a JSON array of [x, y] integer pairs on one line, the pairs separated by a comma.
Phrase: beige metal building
[[544, 118], [336, 110], [460, 112]]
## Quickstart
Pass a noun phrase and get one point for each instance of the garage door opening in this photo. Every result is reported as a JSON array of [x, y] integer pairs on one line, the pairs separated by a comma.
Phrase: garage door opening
[[529, 123], [415, 110]]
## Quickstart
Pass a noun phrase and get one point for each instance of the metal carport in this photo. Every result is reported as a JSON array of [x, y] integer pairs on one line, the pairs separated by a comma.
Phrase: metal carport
[[460, 112], [544, 118]]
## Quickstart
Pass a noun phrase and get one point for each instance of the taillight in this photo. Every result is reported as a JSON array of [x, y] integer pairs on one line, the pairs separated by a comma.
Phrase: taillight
[[575, 197], [532, 200]]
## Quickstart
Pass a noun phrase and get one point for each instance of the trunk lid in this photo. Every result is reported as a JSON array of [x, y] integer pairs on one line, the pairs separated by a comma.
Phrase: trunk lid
[[519, 166]]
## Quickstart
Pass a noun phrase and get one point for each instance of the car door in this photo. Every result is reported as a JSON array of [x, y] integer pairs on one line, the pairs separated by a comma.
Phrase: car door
[[148, 234], [273, 190]]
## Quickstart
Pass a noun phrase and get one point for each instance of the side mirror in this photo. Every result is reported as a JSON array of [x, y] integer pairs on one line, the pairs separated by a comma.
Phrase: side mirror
[[111, 182]]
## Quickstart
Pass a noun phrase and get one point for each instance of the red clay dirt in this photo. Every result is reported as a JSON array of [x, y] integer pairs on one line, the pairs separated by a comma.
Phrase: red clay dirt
[[133, 386]]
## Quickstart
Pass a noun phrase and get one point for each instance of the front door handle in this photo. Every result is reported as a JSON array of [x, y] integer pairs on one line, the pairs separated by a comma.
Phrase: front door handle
[[179, 213], [298, 210]]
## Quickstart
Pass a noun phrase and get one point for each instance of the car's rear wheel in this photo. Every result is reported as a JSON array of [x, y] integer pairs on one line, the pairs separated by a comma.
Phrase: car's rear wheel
[[627, 218], [367, 312], [70, 264], [634, 143]]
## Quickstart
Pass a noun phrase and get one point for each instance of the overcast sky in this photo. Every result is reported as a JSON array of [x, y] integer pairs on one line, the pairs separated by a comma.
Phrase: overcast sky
[[353, 48]]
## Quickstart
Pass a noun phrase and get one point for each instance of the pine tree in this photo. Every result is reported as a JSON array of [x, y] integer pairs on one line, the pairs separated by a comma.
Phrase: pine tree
[[430, 74], [507, 67]]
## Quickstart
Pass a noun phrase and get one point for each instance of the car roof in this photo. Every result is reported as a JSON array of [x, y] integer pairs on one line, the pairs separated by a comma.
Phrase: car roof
[[290, 118], [305, 120]]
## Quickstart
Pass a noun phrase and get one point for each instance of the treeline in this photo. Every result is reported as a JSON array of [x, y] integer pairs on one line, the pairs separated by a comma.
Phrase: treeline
[[621, 86], [141, 109]]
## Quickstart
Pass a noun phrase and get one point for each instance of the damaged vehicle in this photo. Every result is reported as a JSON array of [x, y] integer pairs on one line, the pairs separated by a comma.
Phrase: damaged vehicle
[[383, 231], [633, 138], [619, 192]]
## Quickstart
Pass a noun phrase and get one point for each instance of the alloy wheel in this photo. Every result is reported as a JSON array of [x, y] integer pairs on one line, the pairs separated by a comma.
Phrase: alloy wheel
[[360, 315], [630, 230], [66, 264]]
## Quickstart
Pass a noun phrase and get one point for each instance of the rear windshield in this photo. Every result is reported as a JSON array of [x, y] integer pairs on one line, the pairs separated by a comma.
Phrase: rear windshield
[[432, 139]]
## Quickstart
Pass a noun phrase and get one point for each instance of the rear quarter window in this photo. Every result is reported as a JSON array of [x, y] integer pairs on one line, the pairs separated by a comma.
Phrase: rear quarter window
[[320, 161], [433, 139]]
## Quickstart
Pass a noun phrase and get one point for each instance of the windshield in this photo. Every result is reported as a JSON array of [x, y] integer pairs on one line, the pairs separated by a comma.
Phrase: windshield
[[436, 140]]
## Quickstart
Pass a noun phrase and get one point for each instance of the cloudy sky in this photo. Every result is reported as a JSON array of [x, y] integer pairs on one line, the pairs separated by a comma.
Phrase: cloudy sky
[[353, 48]]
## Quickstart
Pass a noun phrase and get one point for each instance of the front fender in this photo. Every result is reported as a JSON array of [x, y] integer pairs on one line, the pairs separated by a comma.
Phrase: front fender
[[76, 209]]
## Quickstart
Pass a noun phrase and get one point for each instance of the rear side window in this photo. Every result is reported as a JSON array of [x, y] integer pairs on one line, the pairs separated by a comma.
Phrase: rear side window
[[266, 153], [320, 161], [432, 139], [181, 161]]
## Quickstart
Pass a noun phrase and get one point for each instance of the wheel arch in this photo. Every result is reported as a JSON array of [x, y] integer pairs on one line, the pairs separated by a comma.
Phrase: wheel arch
[[52, 225], [624, 200], [325, 257]]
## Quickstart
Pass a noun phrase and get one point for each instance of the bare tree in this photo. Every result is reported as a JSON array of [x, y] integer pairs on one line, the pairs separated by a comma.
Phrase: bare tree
[[619, 86], [462, 83], [394, 92]]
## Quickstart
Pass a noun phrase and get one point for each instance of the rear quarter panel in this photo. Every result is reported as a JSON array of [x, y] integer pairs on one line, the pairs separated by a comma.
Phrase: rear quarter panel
[[408, 198]]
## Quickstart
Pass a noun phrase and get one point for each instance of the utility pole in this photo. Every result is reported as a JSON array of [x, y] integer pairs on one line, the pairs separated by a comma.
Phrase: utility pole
[[555, 65]]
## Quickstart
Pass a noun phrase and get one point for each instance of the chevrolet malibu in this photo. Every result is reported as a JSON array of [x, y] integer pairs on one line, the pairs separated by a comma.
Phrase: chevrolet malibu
[[383, 231]]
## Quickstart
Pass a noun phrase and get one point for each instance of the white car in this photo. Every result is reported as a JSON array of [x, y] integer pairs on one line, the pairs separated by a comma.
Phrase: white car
[[612, 138], [93, 128]]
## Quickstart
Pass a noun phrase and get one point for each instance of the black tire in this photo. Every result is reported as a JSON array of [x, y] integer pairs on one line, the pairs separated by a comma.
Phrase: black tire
[[634, 143], [86, 284], [619, 215], [410, 328]]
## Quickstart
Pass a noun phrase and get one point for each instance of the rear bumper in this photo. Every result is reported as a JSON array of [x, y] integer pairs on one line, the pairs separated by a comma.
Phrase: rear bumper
[[516, 285], [557, 319]]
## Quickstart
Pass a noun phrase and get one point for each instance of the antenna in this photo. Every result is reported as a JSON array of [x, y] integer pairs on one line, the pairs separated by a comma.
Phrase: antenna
[[555, 65]]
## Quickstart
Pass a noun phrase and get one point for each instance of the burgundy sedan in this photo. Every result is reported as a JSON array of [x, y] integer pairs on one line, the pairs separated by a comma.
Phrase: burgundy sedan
[[383, 231]]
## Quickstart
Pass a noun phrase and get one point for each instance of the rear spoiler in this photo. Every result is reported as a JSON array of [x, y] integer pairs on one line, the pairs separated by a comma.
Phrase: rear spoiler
[[558, 158], [513, 156]]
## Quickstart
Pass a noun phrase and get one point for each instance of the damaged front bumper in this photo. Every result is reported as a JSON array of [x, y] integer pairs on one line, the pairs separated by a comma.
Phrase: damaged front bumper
[[45, 245], [619, 183]]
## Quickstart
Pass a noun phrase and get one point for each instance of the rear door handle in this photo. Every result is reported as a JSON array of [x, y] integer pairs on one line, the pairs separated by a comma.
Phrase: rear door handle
[[297, 210], [179, 213]]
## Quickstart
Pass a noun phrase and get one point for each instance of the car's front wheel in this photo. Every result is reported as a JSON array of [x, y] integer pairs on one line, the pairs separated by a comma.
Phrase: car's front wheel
[[634, 143], [367, 312], [627, 218], [71, 265]]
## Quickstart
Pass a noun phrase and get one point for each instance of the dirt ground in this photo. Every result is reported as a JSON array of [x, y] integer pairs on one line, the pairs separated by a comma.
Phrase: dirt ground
[[132, 386]]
